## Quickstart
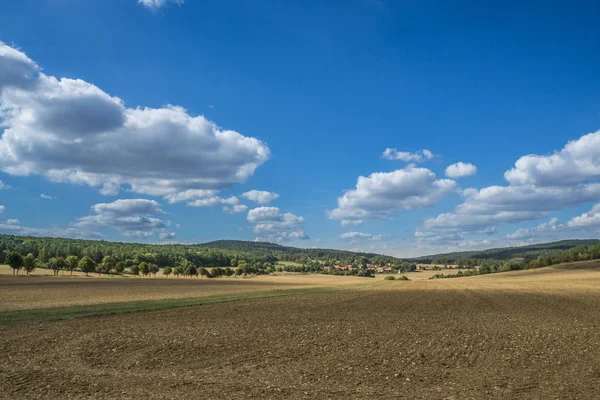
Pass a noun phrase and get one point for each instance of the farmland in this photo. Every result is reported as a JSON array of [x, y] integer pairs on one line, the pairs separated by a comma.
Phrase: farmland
[[523, 334]]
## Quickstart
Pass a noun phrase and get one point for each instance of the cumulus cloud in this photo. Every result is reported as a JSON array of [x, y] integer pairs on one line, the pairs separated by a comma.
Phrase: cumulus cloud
[[354, 236], [69, 130], [190, 194], [47, 197], [131, 217], [260, 196], [274, 226], [2, 208], [238, 208], [419, 156], [156, 4], [527, 233], [381, 193], [18, 70], [460, 169], [496, 205], [3, 186], [538, 185], [352, 222], [588, 221], [214, 201], [577, 162], [13, 227]]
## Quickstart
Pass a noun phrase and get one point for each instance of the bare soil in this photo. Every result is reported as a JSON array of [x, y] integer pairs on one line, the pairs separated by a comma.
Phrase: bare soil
[[516, 335], [29, 292]]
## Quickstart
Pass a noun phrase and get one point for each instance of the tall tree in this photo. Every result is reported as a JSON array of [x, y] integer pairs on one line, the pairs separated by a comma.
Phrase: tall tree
[[71, 263], [87, 265], [144, 268], [14, 260], [29, 263]]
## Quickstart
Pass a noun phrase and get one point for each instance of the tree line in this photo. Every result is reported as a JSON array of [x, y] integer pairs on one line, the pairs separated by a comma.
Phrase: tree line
[[580, 253]]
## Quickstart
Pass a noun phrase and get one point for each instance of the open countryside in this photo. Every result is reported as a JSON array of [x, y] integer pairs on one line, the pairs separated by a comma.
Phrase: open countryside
[[522, 334], [451, 326], [299, 199]]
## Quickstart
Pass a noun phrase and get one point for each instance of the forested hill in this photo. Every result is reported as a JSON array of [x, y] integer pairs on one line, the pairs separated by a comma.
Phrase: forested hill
[[507, 253], [285, 251], [213, 254], [229, 252]]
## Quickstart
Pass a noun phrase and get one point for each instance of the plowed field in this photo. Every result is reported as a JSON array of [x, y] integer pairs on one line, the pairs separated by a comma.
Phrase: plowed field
[[512, 335]]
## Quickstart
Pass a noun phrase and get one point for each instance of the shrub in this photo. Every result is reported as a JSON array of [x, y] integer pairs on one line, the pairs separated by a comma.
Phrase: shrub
[[389, 278], [403, 278]]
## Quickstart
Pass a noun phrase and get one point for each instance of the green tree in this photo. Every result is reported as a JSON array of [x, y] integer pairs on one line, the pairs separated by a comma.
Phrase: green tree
[[72, 263], [107, 265], [14, 260], [144, 268], [55, 264], [167, 271], [190, 270], [29, 263], [135, 270], [61, 263], [87, 265], [153, 268], [119, 267]]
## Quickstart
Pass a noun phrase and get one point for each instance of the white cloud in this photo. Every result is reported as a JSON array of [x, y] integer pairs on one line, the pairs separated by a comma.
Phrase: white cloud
[[3, 186], [214, 201], [577, 162], [380, 194], [156, 4], [497, 205], [166, 235], [190, 194], [351, 222], [260, 196], [47, 197], [13, 222], [526, 233], [588, 221], [17, 70], [354, 236], [275, 226], [538, 186], [460, 169], [238, 208], [2, 208], [419, 156], [12, 228], [131, 217], [71, 131]]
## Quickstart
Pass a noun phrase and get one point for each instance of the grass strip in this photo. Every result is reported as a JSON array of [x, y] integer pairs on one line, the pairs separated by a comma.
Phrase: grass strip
[[13, 317]]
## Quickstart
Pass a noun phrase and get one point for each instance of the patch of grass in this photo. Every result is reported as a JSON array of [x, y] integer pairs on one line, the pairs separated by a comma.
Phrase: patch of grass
[[288, 264], [393, 278], [13, 317]]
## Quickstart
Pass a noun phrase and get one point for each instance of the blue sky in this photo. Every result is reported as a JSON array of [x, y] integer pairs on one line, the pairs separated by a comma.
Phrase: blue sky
[[163, 120]]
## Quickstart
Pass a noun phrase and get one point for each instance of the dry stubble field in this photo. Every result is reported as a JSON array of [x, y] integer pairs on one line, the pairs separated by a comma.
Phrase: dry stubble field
[[513, 335]]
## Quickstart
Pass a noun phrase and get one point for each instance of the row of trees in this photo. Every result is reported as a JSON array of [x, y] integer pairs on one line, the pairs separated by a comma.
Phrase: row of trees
[[490, 267], [232, 254], [109, 266]]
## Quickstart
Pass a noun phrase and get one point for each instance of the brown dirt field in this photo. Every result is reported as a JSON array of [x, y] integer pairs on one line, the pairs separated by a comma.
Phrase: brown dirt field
[[28, 292], [516, 335]]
